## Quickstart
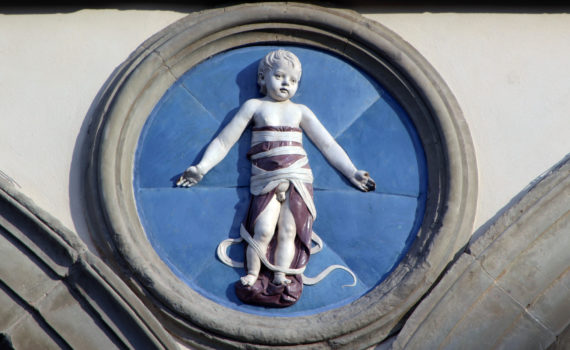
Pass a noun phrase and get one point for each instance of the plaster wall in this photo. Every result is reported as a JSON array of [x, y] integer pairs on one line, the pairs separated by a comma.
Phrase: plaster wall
[[51, 68], [508, 72]]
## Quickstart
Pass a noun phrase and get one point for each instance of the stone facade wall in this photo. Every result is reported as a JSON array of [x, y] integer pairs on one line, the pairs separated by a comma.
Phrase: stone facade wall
[[508, 72]]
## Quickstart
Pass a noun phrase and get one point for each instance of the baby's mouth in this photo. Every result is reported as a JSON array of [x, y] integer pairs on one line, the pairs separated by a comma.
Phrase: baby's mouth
[[283, 90]]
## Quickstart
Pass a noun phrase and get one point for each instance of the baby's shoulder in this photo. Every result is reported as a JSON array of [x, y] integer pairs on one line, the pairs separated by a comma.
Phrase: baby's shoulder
[[252, 104], [253, 101], [303, 109]]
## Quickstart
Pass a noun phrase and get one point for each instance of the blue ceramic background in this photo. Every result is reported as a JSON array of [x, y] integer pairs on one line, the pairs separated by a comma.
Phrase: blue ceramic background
[[368, 232]]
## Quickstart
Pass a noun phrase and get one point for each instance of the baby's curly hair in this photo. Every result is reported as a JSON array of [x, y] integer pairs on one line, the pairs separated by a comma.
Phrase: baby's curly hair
[[270, 60]]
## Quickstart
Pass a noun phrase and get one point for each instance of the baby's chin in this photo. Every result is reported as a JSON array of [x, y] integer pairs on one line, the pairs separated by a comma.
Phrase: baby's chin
[[280, 98]]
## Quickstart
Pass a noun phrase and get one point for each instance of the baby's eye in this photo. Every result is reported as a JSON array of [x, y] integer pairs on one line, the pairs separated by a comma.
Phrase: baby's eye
[[278, 76]]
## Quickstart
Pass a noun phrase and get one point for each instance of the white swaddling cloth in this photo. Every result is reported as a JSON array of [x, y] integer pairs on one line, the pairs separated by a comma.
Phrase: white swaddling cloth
[[263, 181]]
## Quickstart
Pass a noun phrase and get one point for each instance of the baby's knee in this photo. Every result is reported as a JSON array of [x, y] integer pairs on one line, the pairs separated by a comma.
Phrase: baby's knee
[[263, 233], [287, 232]]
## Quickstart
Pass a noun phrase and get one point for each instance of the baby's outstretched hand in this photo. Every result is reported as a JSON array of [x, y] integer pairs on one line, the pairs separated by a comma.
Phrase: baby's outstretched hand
[[362, 180], [190, 177]]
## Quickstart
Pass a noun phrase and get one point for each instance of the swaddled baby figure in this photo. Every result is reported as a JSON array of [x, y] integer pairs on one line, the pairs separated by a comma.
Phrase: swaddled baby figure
[[278, 226]]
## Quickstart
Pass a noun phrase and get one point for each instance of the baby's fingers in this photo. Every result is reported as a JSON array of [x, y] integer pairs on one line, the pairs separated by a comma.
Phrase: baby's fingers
[[180, 181], [363, 181], [184, 182], [370, 185]]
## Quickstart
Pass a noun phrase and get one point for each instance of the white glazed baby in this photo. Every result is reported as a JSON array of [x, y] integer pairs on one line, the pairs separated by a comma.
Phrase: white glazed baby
[[278, 77]]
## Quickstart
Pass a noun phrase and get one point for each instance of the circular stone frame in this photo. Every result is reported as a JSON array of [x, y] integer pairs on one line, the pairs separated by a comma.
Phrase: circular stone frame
[[125, 102]]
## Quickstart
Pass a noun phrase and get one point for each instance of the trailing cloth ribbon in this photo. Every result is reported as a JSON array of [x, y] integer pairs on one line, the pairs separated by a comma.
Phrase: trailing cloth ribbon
[[245, 236], [262, 182]]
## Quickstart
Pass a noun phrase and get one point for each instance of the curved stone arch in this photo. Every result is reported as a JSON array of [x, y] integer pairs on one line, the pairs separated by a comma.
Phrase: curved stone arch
[[509, 289], [55, 294], [140, 82]]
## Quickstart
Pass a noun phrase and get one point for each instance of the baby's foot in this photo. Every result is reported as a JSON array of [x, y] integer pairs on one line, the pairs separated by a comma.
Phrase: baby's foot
[[248, 280], [280, 279]]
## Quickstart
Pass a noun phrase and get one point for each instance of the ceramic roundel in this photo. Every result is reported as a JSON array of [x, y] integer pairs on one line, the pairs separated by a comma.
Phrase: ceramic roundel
[[367, 232]]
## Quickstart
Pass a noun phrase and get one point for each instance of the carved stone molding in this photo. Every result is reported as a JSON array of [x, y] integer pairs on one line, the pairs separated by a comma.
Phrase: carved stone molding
[[509, 289], [137, 85], [55, 294]]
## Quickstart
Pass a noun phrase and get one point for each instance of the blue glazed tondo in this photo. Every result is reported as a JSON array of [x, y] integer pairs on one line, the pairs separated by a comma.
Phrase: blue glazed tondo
[[368, 232]]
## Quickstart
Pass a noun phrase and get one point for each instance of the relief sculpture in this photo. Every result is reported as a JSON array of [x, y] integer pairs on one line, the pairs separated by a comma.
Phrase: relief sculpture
[[278, 227]]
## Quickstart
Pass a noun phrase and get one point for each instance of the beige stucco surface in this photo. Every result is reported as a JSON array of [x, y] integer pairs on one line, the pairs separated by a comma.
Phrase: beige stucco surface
[[508, 72], [51, 68]]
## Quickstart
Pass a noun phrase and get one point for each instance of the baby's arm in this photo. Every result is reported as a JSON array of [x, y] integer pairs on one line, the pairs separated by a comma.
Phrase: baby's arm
[[333, 152], [220, 146]]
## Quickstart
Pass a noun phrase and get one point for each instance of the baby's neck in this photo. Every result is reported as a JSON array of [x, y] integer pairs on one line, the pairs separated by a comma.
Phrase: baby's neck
[[270, 99]]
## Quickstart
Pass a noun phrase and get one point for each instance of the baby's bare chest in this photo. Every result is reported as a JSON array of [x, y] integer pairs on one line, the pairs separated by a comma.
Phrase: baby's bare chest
[[274, 114]]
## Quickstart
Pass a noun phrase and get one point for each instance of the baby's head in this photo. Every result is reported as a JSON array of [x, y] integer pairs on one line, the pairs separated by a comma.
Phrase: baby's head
[[274, 59]]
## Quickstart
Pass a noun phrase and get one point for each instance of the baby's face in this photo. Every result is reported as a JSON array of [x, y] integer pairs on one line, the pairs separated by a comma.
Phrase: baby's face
[[281, 82]]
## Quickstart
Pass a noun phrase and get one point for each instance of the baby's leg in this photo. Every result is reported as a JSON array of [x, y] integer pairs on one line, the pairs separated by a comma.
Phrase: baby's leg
[[285, 250], [263, 231]]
